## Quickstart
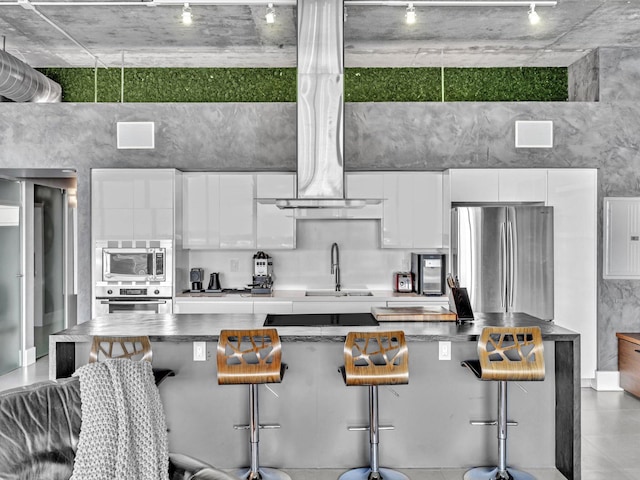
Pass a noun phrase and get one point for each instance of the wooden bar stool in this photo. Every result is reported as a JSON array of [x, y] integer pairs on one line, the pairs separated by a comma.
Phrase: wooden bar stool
[[506, 354], [372, 359], [133, 348], [252, 357]]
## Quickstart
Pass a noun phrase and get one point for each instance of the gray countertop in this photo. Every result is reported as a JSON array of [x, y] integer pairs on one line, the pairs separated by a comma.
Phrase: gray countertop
[[299, 295], [207, 327]]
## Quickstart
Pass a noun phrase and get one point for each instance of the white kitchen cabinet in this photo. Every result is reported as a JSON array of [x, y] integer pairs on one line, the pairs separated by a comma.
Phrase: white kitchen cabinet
[[412, 210], [498, 185], [573, 195], [275, 228], [212, 306], [522, 185], [200, 210], [237, 211], [132, 204], [336, 306], [219, 211], [264, 307], [367, 186], [474, 185]]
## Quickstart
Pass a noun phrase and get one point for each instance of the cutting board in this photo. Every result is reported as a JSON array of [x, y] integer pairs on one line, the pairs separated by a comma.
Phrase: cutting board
[[413, 314]]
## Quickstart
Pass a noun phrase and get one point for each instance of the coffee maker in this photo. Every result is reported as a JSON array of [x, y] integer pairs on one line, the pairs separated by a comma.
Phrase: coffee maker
[[196, 276], [262, 273]]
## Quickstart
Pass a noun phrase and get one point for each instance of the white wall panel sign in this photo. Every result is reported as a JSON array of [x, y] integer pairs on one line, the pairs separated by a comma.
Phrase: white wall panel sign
[[136, 135], [534, 134]]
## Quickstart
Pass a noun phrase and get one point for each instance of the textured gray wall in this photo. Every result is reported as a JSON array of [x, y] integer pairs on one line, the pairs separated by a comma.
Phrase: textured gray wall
[[619, 74], [583, 81], [380, 136]]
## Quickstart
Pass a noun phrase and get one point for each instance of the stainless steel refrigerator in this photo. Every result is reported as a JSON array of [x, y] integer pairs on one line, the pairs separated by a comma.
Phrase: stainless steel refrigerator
[[503, 255]]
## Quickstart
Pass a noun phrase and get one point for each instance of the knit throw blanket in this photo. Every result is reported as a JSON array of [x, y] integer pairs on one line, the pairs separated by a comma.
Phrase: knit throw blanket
[[123, 433]]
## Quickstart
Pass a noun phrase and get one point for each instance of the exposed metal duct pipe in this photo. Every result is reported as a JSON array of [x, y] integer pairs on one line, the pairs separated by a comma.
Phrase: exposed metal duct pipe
[[21, 83]]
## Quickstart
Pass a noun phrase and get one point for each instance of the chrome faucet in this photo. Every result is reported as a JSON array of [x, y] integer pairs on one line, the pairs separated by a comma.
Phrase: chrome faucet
[[335, 264]]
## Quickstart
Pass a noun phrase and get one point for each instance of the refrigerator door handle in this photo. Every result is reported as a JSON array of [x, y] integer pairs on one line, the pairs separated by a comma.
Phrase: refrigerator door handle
[[503, 256], [510, 257]]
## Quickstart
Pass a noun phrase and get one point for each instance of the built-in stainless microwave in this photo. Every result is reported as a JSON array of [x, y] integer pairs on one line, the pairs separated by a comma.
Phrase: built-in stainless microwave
[[140, 262], [134, 264], [428, 271]]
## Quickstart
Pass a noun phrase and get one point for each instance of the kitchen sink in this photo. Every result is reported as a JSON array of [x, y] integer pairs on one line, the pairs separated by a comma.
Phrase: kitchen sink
[[342, 293]]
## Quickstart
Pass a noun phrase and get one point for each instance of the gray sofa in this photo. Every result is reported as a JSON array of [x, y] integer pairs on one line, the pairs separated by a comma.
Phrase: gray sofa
[[39, 430]]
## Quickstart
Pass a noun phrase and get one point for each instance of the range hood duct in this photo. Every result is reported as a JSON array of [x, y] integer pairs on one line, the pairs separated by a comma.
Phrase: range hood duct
[[21, 83], [320, 108]]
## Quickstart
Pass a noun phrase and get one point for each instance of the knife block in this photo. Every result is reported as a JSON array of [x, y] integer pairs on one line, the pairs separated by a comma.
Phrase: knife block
[[460, 304]]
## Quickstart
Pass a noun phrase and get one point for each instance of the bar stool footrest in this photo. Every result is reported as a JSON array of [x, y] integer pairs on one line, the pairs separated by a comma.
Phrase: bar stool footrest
[[267, 426], [366, 474], [493, 423], [489, 473], [265, 473], [366, 429]]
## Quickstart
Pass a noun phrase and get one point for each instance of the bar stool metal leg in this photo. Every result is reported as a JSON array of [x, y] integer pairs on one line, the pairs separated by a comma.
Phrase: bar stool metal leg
[[256, 472], [501, 472], [374, 472]]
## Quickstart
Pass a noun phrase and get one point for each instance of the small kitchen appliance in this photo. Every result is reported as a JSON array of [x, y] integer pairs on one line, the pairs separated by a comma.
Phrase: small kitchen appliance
[[196, 275], [214, 283], [403, 282], [428, 272], [262, 273]]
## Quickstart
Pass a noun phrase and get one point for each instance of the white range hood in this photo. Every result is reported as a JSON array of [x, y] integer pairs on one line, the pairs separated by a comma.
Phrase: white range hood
[[320, 109]]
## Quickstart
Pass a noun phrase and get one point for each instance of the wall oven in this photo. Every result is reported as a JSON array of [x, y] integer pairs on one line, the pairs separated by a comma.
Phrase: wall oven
[[133, 300], [133, 277]]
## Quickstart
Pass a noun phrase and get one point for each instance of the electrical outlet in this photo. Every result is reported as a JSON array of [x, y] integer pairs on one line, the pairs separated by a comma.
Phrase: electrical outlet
[[199, 351], [444, 350], [234, 265]]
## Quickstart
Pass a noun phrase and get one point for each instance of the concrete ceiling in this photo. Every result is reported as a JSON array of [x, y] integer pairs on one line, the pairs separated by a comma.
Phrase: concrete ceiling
[[238, 36]]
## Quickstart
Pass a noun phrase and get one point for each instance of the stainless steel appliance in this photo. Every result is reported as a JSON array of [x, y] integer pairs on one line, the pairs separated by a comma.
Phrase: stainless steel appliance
[[503, 255], [133, 276], [133, 261], [262, 273], [403, 282], [154, 299], [428, 271]]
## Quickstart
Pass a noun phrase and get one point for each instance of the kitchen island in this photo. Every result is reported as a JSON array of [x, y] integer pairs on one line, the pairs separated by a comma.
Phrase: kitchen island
[[431, 415]]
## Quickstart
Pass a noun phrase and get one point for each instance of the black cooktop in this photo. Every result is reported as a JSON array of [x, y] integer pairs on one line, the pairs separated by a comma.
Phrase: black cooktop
[[320, 320]]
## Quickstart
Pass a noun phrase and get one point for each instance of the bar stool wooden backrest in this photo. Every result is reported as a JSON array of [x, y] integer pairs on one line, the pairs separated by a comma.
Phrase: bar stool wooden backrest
[[133, 348], [511, 353], [249, 356], [376, 358]]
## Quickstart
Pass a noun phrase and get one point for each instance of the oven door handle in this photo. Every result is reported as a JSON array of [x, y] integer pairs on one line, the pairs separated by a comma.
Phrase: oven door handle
[[133, 302]]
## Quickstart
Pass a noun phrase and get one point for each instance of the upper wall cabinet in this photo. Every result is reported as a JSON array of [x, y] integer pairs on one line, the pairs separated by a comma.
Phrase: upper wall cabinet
[[275, 228], [412, 210], [498, 185], [220, 211], [132, 204]]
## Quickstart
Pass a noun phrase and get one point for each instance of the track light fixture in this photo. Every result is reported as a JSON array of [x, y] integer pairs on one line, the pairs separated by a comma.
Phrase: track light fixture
[[411, 14], [186, 14], [534, 18], [271, 14]]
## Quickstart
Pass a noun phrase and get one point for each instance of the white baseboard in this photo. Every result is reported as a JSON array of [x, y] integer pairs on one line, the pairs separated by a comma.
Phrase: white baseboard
[[28, 357], [606, 382]]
